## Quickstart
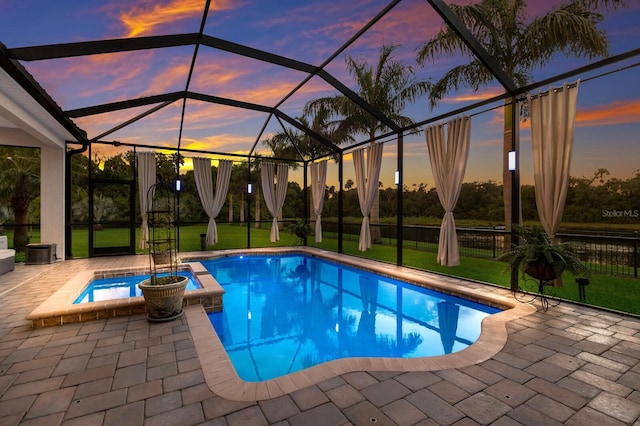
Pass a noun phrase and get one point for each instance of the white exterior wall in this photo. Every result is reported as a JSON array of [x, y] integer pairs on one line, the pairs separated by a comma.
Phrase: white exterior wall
[[52, 190], [24, 122]]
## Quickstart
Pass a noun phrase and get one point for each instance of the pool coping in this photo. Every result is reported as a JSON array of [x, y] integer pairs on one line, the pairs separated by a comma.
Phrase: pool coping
[[59, 308], [223, 380]]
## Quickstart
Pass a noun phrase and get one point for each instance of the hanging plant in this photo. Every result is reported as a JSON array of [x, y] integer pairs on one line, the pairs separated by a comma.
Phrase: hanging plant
[[538, 258]]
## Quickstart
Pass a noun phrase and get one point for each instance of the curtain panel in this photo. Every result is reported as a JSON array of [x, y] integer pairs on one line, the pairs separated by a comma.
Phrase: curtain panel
[[553, 118], [448, 165], [274, 194], [204, 183], [366, 186], [146, 179], [318, 184]]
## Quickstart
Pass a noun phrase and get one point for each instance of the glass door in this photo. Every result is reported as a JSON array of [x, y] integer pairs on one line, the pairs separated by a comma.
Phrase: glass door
[[112, 227]]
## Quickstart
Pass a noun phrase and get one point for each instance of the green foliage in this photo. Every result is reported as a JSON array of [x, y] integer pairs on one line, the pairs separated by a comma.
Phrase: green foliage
[[300, 229], [536, 250], [20, 177], [519, 43], [611, 292]]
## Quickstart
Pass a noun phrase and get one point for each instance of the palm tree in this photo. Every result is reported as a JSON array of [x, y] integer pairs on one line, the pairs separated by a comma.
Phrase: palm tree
[[519, 45], [292, 143], [387, 86], [348, 185], [21, 170]]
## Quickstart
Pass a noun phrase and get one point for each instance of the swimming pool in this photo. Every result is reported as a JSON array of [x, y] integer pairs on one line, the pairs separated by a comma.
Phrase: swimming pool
[[286, 313], [120, 287]]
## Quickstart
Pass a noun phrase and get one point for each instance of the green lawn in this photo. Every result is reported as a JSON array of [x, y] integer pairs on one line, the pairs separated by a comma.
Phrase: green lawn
[[617, 293]]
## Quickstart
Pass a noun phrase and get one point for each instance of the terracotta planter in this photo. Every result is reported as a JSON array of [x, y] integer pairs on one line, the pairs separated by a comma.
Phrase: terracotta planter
[[164, 302]]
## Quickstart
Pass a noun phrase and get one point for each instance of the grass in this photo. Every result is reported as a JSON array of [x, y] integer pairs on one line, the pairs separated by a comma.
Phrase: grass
[[611, 292]]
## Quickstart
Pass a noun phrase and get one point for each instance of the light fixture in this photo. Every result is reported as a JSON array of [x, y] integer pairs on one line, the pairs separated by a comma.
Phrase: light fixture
[[512, 161], [178, 185], [249, 188], [397, 177]]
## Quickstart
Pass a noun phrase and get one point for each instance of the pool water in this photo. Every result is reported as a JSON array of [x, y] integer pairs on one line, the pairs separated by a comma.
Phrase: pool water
[[286, 313], [122, 287]]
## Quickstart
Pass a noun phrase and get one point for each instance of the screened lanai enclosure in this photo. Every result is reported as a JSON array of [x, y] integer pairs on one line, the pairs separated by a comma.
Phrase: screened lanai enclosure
[[355, 119]]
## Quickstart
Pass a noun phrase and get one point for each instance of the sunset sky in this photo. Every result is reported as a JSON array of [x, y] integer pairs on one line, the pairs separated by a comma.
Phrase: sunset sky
[[608, 124]]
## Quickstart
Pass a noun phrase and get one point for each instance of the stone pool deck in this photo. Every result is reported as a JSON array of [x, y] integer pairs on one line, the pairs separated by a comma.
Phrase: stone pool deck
[[570, 365]]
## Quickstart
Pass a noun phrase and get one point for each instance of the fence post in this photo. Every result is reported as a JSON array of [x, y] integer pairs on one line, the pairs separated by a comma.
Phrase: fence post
[[635, 255], [493, 244]]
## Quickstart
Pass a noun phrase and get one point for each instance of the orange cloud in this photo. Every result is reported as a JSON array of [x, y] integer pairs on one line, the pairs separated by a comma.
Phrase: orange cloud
[[219, 142], [245, 79], [616, 112], [143, 20], [474, 96]]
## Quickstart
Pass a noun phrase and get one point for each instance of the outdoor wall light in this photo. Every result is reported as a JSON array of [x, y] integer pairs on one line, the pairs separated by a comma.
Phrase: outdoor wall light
[[397, 177], [178, 185], [512, 161], [249, 188]]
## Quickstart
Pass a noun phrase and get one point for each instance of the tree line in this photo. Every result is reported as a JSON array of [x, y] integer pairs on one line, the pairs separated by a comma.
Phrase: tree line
[[599, 199], [589, 199]]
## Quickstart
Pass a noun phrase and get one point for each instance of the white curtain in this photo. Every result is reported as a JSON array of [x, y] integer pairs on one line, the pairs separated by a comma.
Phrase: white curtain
[[274, 194], [367, 187], [204, 183], [553, 119], [448, 164], [318, 183], [146, 179]]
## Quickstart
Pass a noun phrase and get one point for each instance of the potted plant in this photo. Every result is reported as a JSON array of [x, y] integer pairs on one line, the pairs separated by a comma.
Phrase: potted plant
[[538, 258], [301, 229], [164, 290]]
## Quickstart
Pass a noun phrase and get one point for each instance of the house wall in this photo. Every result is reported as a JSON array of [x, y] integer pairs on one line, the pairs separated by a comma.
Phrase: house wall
[[52, 190]]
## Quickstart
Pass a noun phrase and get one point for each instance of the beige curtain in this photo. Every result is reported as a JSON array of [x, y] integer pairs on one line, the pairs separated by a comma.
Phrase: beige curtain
[[366, 187], [204, 183], [448, 165], [318, 183], [274, 194], [553, 117], [146, 179]]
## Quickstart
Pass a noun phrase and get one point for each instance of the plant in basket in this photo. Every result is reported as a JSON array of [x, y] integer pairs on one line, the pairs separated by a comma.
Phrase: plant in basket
[[537, 257]]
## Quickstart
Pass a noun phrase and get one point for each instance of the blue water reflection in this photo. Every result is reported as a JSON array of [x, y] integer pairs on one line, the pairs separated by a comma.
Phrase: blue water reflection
[[122, 287], [286, 313]]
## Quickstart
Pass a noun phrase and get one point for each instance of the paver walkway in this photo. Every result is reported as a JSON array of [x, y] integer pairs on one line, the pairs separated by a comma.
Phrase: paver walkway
[[571, 365]]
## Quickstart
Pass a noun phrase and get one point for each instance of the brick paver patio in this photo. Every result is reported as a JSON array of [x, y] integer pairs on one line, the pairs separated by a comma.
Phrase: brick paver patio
[[571, 365]]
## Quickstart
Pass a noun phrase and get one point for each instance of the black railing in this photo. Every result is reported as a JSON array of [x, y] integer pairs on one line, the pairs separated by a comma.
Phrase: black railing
[[602, 253]]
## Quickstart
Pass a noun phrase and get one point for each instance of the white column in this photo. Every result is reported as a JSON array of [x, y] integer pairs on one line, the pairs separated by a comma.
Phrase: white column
[[52, 197]]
